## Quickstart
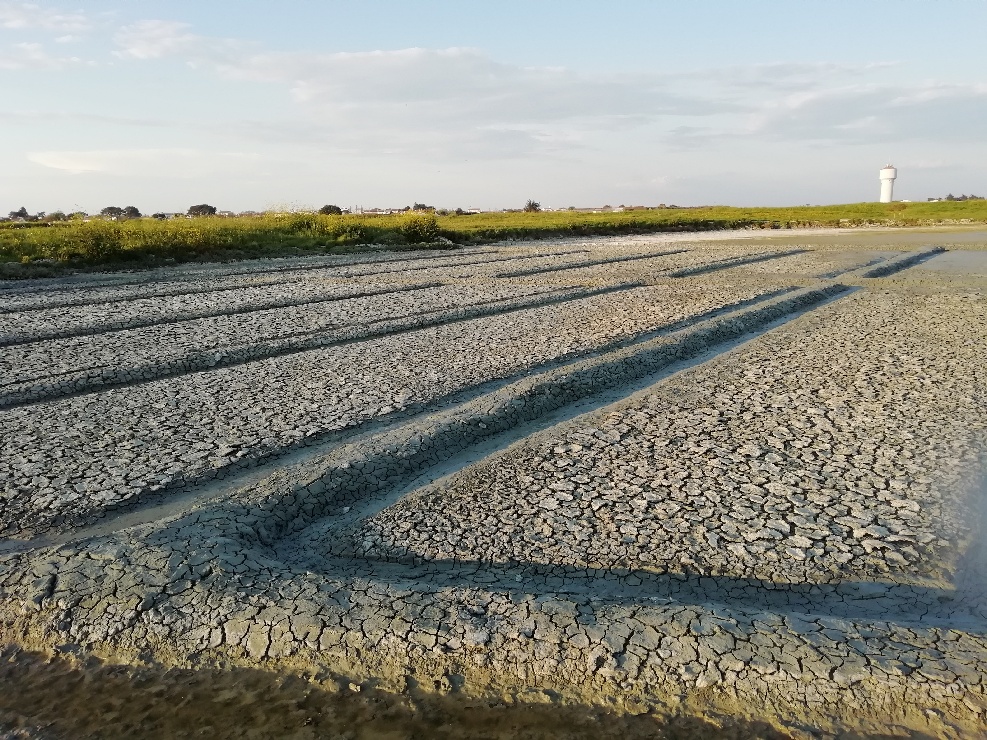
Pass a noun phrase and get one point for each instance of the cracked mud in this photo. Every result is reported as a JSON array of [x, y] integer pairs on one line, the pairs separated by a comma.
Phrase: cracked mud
[[734, 479]]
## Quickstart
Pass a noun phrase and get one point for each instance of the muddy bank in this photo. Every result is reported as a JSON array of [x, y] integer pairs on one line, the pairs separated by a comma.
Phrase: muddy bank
[[62, 697]]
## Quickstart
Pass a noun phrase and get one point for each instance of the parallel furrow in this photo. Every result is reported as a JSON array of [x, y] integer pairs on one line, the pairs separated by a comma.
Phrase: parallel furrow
[[185, 282], [731, 262], [59, 324], [108, 448], [288, 275], [902, 263], [360, 469], [187, 359], [588, 263]]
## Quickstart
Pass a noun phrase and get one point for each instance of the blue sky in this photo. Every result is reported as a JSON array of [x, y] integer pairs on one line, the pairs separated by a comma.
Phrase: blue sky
[[250, 105]]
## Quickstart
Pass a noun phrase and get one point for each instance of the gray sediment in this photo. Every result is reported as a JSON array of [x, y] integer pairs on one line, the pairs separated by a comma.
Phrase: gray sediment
[[713, 495]]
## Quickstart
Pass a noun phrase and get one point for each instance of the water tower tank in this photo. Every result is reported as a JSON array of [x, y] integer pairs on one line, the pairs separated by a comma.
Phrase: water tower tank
[[888, 175]]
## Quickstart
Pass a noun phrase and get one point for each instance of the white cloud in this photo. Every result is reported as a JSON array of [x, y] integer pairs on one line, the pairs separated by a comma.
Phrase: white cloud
[[154, 39], [874, 113], [34, 117], [460, 102], [456, 101], [785, 77], [147, 163], [34, 56], [29, 15], [854, 114]]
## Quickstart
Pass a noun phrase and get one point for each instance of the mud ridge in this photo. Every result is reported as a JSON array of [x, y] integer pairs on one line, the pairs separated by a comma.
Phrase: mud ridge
[[731, 262], [140, 322], [211, 272], [902, 263], [86, 381], [589, 263]]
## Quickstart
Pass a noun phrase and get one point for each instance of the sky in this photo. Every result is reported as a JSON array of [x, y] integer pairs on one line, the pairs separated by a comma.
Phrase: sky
[[300, 103]]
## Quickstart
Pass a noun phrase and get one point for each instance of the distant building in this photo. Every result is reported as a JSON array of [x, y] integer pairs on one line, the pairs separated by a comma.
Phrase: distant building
[[888, 175]]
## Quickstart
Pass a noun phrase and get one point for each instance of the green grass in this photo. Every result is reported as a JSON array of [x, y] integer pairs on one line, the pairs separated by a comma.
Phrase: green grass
[[144, 242], [534, 225], [208, 238]]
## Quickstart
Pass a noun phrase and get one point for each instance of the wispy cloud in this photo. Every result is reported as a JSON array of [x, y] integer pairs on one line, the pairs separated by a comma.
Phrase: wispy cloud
[[34, 117], [875, 112], [408, 110], [154, 39], [29, 15], [784, 77], [172, 163], [458, 100], [34, 56], [854, 114]]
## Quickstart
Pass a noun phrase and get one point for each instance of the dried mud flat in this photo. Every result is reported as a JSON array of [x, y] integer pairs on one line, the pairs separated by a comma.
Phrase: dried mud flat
[[727, 486]]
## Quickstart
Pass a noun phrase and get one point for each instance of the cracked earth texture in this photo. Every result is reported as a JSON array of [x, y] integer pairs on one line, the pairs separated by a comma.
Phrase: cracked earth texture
[[752, 493]]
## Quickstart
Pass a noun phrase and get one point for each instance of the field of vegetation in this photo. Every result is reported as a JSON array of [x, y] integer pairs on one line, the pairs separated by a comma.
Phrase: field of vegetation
[[148, 241]]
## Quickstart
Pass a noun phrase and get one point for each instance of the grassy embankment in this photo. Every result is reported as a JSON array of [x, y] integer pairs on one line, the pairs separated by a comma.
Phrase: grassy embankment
[[146, 242]]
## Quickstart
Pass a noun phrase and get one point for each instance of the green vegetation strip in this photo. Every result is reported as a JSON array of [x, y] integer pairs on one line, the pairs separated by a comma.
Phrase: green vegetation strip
[[150, 241]]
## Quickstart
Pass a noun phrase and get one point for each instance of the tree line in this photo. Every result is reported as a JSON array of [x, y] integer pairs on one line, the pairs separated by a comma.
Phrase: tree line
[[112, 212], [119, 213]]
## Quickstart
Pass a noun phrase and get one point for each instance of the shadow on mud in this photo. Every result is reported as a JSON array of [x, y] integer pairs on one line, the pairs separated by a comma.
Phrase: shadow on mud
[[45, 697]]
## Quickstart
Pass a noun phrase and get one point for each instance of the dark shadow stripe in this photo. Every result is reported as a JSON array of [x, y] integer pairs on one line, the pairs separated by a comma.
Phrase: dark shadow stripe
[[587, 263], [731, 262], [205, 360]]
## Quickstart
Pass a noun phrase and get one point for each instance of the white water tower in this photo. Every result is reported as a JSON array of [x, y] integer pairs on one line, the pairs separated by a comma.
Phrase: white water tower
[[888, 175]]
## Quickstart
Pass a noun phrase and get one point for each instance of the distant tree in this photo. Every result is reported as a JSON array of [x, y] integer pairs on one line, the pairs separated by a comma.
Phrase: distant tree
[[459, 211], [532, 206], [330, 210], [131, 212], [56, 216], [422, 207], [202, 209], [948, 197], [112, 211], [19, 213], [78, 215], [158, 215]]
